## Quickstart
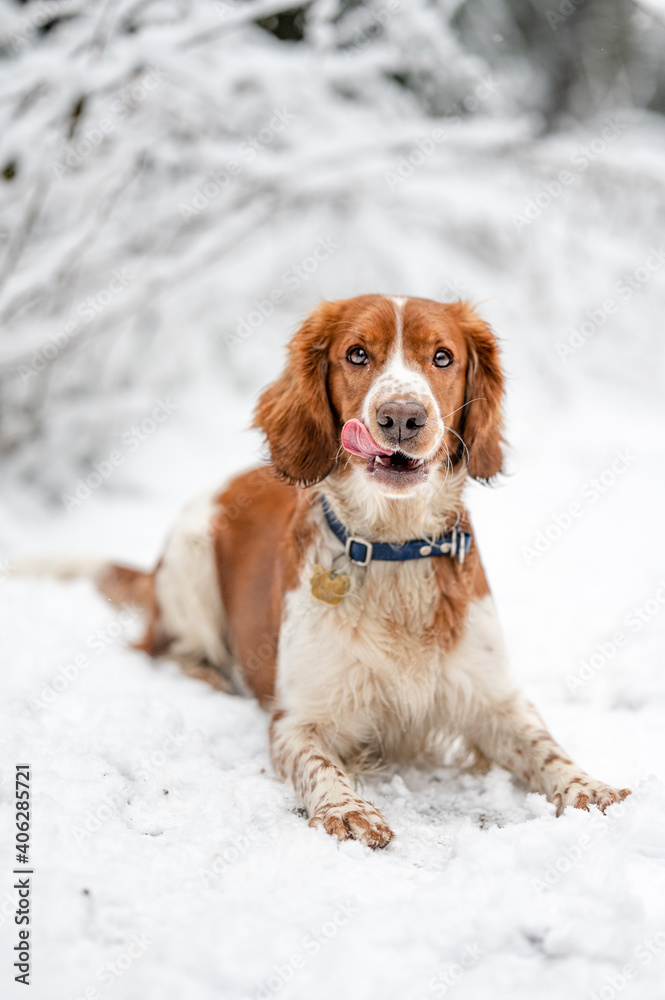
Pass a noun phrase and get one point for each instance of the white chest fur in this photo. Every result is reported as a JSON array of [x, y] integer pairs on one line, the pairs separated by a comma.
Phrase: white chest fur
[[370, 674]]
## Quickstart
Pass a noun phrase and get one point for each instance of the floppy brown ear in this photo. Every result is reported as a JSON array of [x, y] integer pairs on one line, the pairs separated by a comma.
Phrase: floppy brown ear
[[482, 423], [295, 413]]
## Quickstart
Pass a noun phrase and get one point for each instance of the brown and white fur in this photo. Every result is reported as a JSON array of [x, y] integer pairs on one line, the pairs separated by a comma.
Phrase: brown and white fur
[[412, 659]]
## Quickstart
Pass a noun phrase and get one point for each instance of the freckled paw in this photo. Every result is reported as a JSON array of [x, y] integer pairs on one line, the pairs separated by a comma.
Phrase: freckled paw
[[582, 794], [604, 796], [357, 820], [332, 824]]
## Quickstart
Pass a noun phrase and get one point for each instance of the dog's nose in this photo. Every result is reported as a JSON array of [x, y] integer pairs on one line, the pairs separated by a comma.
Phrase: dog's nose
[[401, 421]]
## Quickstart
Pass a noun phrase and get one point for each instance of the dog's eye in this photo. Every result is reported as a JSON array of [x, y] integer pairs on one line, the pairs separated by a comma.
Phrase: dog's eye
[[357, 356], [442, 359]]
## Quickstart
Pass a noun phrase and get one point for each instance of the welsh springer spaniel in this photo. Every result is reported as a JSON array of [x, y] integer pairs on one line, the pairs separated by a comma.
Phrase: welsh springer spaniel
[[342, 584]]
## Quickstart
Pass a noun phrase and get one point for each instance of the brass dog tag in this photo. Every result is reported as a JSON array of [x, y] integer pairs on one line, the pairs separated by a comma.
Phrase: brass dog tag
[[329, 586]]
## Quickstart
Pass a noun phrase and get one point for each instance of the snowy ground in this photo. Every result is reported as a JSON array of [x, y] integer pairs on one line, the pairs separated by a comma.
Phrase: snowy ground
[[168, 860]]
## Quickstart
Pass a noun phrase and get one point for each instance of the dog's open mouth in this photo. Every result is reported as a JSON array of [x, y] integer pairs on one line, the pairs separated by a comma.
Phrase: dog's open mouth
[[386, 466], [397, 470], [397, 462]]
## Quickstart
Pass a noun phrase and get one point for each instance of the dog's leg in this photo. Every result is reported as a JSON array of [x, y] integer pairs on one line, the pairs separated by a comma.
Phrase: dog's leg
[[513, 735], [301, 756]]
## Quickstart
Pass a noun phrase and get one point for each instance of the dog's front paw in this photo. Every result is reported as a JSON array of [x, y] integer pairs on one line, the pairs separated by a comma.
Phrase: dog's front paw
[[354, 820], [584, 792]]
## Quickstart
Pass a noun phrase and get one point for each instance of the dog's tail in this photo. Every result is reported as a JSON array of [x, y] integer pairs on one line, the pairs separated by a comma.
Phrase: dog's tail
[[120, 584]]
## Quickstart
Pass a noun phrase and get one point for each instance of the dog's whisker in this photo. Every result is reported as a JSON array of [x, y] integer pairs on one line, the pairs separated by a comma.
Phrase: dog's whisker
[[463, 442], [468, 403]]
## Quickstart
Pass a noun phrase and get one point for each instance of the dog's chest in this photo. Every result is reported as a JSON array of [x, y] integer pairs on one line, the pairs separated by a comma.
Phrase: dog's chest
[[374, 663]]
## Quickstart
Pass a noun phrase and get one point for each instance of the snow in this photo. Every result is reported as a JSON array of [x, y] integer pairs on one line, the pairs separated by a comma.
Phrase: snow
[[158, 825]]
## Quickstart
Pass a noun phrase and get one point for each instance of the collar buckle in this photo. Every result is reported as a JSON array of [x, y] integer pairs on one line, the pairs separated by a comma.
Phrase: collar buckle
[[365, 559], [458, 545]]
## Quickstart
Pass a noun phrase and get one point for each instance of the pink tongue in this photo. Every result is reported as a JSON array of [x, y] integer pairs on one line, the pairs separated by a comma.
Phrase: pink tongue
[[358, 440]]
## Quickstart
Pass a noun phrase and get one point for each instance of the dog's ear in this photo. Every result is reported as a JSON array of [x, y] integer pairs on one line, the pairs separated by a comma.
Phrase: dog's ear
[[295, 412], [482, 423]]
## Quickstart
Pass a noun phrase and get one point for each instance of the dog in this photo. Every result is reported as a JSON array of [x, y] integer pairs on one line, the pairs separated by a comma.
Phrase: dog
[[342, 585]]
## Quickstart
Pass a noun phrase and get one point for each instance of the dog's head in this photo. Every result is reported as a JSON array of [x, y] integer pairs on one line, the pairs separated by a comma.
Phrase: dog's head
[[399, 388]]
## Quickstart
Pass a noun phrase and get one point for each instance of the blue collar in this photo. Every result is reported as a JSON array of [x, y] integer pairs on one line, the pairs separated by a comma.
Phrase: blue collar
[[361, 552]]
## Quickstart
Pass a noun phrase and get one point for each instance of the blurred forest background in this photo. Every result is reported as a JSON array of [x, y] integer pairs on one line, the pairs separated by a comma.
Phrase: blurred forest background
[[181, 182], [165, 165]]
